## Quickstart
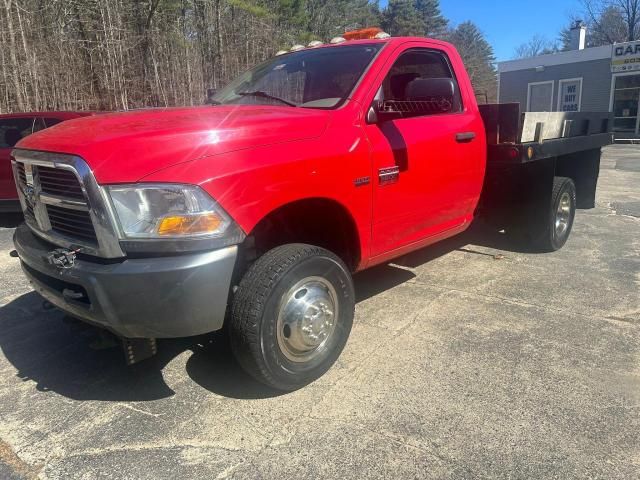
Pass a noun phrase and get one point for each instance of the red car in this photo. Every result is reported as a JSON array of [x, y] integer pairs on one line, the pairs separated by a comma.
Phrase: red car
[[13, 128], [254, 212]]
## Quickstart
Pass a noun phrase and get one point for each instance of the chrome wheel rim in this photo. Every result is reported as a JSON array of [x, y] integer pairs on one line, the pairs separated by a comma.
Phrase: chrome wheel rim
[[563, 214], [307, 319]]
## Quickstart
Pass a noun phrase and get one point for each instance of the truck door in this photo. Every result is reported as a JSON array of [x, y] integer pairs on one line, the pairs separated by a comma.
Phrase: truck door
[[427, 158]]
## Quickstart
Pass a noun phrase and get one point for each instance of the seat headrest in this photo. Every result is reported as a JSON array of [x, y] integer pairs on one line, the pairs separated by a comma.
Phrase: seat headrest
[[426, 88], [443, 91]]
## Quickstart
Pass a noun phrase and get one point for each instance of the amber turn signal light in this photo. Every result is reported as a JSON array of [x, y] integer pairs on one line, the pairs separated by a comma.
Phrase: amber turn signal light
[[190, 224], [530, 152]]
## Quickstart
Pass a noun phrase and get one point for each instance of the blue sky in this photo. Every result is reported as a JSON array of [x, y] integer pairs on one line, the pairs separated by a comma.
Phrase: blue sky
[[508, 23]]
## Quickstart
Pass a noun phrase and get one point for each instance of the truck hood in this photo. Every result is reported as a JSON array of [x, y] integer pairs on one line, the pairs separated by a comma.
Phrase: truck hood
[[125, 147]]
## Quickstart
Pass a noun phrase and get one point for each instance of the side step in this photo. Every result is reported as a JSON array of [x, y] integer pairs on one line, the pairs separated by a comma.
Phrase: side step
[[138, 349]]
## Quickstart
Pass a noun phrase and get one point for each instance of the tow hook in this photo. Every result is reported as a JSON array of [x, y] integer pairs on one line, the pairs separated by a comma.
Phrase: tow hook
[[63, 257]]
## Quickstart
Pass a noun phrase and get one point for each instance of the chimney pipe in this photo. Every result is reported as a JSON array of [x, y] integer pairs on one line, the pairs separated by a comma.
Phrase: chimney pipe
[[578, 36]]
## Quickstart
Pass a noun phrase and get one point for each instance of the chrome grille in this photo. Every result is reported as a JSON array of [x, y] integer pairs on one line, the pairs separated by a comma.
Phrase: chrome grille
[[73, 223], [22, 181], [59, 182], [64, 204], [22, 177]]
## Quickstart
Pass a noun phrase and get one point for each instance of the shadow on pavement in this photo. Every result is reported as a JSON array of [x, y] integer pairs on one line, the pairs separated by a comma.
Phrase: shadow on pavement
[[213, 367], [59, 358], [10, 220]]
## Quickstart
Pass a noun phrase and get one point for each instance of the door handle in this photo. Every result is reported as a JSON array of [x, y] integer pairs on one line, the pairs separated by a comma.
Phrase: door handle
[[465, 137]]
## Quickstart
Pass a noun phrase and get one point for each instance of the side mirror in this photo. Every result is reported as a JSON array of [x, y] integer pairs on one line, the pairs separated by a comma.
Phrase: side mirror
[[381, 111]]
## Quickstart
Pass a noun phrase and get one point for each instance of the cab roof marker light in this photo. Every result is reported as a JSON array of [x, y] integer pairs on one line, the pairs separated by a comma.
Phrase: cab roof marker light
[[281, 52], [336, 40], [382, 36], [368, 33], [297, 48], [315, 44]]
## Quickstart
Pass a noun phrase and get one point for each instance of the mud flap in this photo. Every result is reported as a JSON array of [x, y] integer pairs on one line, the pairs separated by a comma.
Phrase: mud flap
[[138, 349]]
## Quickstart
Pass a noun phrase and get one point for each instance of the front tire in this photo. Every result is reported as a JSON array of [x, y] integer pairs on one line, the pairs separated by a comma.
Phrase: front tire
[[291, 315]]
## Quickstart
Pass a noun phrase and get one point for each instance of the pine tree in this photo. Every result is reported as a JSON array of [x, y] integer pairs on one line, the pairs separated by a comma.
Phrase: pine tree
[[477, 55], [434, 24], [414, 18], [401, 18]]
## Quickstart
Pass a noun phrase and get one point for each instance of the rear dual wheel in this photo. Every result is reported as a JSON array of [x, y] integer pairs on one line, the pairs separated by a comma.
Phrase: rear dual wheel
[[550, 231], [560, 218], [291, 315]]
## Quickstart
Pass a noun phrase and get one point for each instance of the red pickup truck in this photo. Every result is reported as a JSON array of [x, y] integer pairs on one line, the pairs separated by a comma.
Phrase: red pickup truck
[[254, 212], [14, 127]]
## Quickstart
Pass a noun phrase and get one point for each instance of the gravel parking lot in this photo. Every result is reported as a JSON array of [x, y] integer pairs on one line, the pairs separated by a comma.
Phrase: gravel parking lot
[[467, 360]]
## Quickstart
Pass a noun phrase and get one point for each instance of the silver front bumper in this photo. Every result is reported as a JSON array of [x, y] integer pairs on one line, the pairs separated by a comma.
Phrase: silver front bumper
[[162, 297]]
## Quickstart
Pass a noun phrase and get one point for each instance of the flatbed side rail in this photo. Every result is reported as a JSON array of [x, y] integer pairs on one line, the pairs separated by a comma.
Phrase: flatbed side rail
[[542, 126], [514, 137]]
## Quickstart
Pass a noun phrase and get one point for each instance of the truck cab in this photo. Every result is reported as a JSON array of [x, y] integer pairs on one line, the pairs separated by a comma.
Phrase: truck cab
[[254, 212]]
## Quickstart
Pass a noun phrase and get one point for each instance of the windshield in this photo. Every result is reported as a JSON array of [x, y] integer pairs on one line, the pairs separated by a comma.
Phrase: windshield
[[314, 78]]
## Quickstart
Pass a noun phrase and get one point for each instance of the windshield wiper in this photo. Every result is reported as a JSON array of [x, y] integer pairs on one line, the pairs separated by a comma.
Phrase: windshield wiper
[[261, 94]]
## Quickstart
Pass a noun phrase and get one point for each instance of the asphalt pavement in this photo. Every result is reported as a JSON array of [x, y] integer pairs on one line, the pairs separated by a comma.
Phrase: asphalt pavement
[[470, 359]]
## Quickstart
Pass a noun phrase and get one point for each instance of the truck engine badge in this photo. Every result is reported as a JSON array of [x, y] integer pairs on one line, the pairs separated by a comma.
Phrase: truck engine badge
[[28, 190], [62, 257], [29, 194], [360, 182]]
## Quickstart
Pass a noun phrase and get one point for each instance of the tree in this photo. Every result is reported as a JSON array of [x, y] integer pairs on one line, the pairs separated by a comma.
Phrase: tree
[[537, 45], [612, 21], [123, 54], [434, 24], [414, 18], [330, 19], [400, 18], [610, 28], [477, 55]]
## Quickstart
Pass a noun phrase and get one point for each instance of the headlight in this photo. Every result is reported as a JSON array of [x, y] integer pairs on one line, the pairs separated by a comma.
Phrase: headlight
[[168, 211]]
